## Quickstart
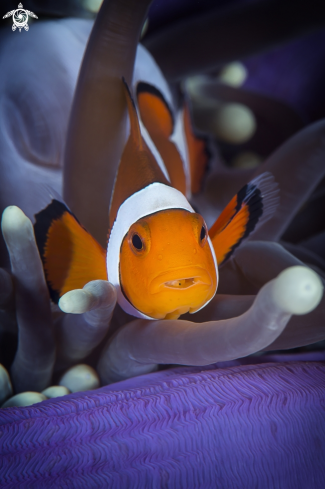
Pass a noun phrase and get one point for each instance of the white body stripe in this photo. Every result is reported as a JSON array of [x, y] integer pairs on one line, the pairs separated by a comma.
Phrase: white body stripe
[[153, 149], [146, 70], [179, 139], [153, 198]]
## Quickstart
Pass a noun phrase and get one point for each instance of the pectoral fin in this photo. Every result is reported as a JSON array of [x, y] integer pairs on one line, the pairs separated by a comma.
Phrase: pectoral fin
[[71, 256], [253, 205]]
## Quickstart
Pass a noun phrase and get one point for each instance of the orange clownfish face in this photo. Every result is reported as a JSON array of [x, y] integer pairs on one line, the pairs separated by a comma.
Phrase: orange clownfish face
[[166, 264]]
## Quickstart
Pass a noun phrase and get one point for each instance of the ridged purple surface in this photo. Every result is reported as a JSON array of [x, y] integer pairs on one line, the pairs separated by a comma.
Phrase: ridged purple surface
[[248, 426]]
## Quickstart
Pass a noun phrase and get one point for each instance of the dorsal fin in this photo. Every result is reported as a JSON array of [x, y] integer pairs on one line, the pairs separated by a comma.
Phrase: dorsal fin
[[138, 167], [158, 119]]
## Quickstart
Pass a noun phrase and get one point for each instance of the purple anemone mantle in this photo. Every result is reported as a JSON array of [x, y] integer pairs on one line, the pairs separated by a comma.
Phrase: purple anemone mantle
[[245, 426]]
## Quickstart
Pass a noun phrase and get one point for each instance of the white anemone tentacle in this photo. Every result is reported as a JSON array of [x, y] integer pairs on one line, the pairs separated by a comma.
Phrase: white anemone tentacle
[[140, 345]]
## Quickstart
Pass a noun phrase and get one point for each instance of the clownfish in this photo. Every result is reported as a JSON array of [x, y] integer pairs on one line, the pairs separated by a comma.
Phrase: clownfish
[[160, 255]]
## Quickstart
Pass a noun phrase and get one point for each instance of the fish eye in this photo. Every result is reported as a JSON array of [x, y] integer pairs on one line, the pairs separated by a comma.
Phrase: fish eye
[[137, 242], [139, 238], [200, 229], [203, 233]]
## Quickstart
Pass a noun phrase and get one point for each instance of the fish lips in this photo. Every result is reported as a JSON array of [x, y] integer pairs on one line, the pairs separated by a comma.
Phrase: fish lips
[[180, 279]]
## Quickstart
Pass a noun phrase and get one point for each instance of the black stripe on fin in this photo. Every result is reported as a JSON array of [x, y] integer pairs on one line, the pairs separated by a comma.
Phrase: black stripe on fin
[[261, 197]]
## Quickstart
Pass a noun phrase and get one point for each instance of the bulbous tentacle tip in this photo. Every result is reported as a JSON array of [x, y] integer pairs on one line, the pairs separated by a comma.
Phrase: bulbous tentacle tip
[[76, 301], [81, 377], [298, 290], [95, 294], [22, 399], [14, 220]]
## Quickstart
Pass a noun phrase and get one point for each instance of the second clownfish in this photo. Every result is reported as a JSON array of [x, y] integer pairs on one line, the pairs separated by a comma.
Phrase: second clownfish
[[160, 255]]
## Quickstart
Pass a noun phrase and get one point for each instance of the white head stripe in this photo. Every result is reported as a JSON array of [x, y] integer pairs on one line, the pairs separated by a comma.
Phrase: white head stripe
[[153, 198]]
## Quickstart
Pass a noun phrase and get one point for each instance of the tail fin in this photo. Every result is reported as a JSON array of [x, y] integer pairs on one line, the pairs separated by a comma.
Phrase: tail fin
[[71, 256], [253, 205]]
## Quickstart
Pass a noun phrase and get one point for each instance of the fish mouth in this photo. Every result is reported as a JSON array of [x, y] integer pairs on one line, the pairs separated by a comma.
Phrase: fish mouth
[[180, 279], [181, 283]]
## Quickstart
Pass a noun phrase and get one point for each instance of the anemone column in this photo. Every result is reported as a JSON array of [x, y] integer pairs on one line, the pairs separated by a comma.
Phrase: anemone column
[[96, 134]]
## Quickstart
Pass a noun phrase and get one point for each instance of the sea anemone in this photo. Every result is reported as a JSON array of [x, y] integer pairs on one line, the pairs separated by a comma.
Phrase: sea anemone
[[251, 313]]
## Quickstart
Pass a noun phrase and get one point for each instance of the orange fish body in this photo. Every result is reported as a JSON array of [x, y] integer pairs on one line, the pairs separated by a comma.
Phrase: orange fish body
[[166, 265], [160, 255]]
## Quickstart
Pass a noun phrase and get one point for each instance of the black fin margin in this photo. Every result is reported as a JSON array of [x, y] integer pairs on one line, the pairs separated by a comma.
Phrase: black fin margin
[[43, 222]]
